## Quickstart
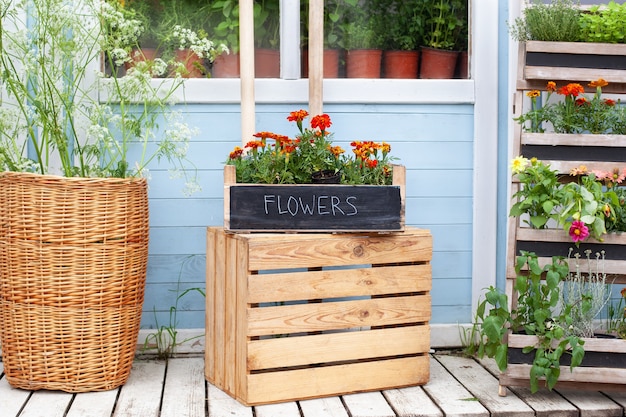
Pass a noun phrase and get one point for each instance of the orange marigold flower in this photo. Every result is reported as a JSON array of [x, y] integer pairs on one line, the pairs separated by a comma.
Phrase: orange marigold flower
[[386, 148], [551, 87], [609, 102], [336, 150], [600, 82], [253, 144], [263, 135], [581, 101], [572, 89], [371, 163], [623, 292], [236, 153], [533, 93], [297, 116], [321, 121]]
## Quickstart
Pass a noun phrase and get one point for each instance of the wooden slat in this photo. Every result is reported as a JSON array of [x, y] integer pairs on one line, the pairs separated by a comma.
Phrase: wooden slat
[[452, 397], [232, 282], [222, 405], [303, 350], [339, 283], [583, 375], [413, 245], [219, 310], [592, 403], [11, 399], [545, 403], [407, 401], [484, 386], [183, 394], [288, 409], [47, 403], [338, 315], [210, 305], [141, 395], [561, 139], [93, 404], [368, 404], [327, 407], [241, 306], [591, 344], [578, 48], [287, 385], [566, 74]]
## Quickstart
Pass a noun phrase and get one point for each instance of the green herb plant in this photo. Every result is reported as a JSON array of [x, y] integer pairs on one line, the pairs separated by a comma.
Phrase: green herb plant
[[604, 24], [539, 311], [558, 21]]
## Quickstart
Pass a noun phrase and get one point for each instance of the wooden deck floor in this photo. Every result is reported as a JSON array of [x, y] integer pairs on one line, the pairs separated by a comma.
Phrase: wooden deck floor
[[458, 387]]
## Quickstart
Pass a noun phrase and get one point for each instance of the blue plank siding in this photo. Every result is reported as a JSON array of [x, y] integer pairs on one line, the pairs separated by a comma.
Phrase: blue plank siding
[[434, 142]]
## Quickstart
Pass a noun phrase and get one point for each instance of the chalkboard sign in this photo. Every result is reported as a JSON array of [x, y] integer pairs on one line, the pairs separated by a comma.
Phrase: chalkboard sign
[[315, 208]]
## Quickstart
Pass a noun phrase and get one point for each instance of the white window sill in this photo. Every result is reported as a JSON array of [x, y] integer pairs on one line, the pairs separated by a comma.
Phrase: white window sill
[[334, 91]]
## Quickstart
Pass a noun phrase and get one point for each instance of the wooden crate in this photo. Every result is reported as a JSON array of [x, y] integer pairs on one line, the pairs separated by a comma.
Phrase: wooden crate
[[314, 208], [295, 316]]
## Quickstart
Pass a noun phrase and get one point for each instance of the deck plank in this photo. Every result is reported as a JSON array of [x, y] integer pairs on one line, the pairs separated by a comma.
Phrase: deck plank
[[327, 407], [412, 402], [11, 399], [222, 405], [183, 395], [288, 409], [545, 403], [47, 403], [484, 386], [141, 395], [452, 397], [618, 397], [368, 404], [93, 404], [592, 403]]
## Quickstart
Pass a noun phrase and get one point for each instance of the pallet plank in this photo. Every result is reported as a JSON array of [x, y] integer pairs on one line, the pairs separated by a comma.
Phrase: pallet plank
[[11, 399], [452, 397], [141, 395], [93, 404], [327, 407], [183, 394], [484, 386], [412, 402], [368, 404]]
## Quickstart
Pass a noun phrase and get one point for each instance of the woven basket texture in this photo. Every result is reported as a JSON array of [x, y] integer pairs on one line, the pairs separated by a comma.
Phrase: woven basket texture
[[73, 258]]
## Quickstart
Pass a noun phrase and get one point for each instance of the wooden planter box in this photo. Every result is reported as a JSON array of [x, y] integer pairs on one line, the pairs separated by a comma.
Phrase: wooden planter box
[[295, 316], [314, 208], [603, 367], [566, 62]]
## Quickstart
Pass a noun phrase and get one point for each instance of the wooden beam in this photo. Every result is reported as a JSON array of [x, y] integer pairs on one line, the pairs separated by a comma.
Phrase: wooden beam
[[246, 56], [316, 56]]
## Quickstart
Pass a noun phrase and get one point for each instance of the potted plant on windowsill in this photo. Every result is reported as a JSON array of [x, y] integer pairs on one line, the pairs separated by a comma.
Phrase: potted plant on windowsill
[[401, 25], [224, 27], [277, 170], [438, 58], [75, 146], [362, 43]]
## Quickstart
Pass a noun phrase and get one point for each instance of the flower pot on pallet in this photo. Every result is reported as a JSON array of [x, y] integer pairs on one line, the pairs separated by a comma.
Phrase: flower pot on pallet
[[296, 316], [73, 257], [314, 208]]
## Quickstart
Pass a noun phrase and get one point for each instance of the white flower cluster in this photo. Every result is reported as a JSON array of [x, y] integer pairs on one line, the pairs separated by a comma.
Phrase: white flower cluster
[[188, 39], [121, 32]]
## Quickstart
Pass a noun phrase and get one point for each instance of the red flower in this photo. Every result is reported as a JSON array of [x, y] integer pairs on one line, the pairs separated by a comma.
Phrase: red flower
[[572, 89], [371, 163], [609, 102], [321, 121], [578, 231], [253, 144], [236, 153], [581, 101]]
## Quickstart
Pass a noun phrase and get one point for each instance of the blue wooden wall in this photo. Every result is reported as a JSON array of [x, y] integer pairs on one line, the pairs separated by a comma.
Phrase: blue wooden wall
[[434, 142]]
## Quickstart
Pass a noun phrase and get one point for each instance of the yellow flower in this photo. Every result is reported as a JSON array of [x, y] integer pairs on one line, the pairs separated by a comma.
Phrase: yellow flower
[[519, 164], [533, 93]]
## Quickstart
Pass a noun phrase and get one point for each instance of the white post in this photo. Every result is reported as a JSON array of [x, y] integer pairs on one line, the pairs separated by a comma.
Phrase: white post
[[290, 39], [246, 56], [316, 56]]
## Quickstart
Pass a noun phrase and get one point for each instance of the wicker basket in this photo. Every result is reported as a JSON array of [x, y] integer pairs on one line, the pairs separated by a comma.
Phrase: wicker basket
[[73, 257]]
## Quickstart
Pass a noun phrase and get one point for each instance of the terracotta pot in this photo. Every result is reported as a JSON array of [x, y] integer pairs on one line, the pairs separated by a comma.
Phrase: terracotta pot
[[194, 65], [266, 63], [400, 64], [226, 66], [141, 55], [438, 63], [462, 66], [363, 63], [331, 63]]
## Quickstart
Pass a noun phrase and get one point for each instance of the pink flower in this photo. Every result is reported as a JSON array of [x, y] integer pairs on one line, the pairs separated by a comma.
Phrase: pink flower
[[578, 231]]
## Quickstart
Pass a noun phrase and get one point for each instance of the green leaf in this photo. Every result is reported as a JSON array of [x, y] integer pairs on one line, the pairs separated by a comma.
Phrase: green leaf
[[492, 327], [501, 357]]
